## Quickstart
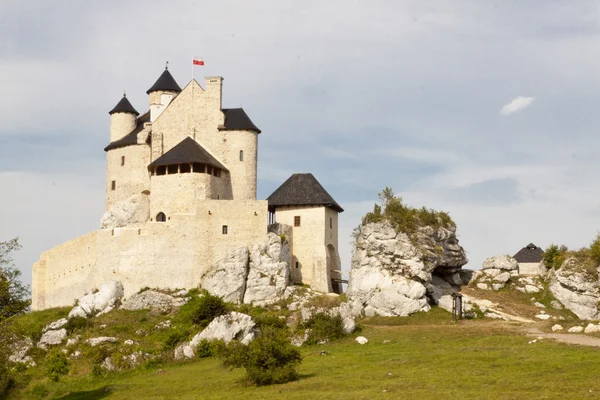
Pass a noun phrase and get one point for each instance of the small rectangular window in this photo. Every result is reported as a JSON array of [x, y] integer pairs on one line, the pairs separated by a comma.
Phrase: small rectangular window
[[296, 221], [297, 264], [113, 185], [224, 230], [122, 160]]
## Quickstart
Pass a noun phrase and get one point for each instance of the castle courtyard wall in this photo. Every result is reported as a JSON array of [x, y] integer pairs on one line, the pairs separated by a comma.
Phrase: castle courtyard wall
[[172, 254]]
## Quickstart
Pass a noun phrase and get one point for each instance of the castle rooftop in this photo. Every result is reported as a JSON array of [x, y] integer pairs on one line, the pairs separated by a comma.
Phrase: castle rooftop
[[124, 106], [302, 190], [529, 254], [165, 82], [187, 151]]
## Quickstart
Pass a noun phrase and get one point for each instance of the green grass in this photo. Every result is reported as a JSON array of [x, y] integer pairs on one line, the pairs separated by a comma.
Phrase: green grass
[[428, 359]]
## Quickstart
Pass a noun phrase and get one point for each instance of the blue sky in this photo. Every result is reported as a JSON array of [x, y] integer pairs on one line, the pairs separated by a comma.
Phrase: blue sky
[[363, 94]]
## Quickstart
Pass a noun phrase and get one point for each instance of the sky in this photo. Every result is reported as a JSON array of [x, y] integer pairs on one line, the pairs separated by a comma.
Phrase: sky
[[486, 110]]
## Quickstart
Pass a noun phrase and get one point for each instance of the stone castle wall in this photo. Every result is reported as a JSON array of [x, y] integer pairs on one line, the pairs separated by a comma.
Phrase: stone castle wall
[[171, 254], [128, 168]]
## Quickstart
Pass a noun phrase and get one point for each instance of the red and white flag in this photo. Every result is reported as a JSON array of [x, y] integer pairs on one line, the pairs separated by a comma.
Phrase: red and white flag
[[198, 61]]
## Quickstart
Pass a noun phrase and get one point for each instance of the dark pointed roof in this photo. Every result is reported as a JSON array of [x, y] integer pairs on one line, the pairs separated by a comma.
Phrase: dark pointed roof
[[165, 82], [529, 254], [302, 190], [187, 151], [124, 106], [131, 137], [236, 119]]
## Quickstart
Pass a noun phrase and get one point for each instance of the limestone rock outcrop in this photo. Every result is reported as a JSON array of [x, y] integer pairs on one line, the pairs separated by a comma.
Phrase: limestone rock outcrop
[[19, 352], [390, 274], [109, 294], [53, 337], [232, 326], [135, 209], [227, 279], [577, 289], [496, 272], [152, 299], [268, 275]]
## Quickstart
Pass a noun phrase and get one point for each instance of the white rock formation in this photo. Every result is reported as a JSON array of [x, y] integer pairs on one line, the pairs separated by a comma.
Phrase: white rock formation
[[152, 299], [575, 329], [56, 325], [99, 340], [227, 278], [556, 328], [576, 289], [362, 340], [390, 275], [53, 337], [19, 352], [228, 327], [543, 317], [591, 328], [499, 264], [268, 275], [91, 304], [134, 210], [496, 272]]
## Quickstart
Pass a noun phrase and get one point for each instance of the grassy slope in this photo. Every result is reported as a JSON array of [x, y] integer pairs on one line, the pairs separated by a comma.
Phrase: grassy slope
[[428, 357]]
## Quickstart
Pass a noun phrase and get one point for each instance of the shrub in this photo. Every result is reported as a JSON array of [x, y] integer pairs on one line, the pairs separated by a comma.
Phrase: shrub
[[208, 349], [57, 365], [174, 337], [595, 250], [269, 319], [324, 327], [6, 380], [77, 323], [402, 217], [13, 293], [268, 359], [201, 310], [554, 256]]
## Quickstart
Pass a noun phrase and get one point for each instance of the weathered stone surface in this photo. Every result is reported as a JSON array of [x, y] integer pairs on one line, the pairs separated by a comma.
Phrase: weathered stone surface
[[53, 337], [19, 352], [502, 277], [99, 340], [108, 364], [56, 325], [390, 275], [132, 211], [232, 326], [591, 328], [227, 278], [543, 317], [362, 340], [500, 262], [556, 305], [269, 273], [556, 328], [575, 329], [91, 304], [576, 289], [152, 299]]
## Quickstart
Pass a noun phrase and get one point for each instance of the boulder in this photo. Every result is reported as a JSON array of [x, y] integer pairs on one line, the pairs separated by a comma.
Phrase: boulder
[[227, 278], [543, 317], [269, 273], [100, 340], [500, 263], [53, 337], [56, 325], [576, 289], [575, 329], [19, 351], [390, 274], [91, 304], [362, 340], [228, 327], [591, 328], [134, 210], [152, 299], [556, 328]]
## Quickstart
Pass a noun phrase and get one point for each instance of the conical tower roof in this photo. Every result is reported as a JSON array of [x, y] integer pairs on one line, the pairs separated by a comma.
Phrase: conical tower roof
[[124, 106], [302, 190], [165, 82]]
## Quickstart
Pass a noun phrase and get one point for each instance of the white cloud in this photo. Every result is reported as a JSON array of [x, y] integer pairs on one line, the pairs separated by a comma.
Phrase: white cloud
[[518, 104]]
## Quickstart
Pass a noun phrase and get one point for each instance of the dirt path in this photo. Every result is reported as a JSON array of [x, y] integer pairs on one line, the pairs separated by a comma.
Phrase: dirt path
[[570, 338]]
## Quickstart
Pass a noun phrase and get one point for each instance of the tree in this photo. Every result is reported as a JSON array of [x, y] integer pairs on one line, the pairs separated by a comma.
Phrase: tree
[[14, 295]]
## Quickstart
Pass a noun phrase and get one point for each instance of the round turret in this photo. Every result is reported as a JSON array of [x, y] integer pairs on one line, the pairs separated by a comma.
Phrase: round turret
[[122, 119], [165, 84]]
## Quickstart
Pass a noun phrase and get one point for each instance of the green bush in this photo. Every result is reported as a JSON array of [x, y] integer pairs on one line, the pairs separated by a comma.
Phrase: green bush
[[208, 349], [56, 365], [554, 256], [201, 310], [595, 250], [78, 324], [324, 327], [404, 218], [174, 337], [269, 319], [268, 359], [6, 380]]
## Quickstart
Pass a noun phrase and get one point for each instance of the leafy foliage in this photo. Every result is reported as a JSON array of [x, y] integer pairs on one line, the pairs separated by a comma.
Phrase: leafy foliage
[[268, 359], [324, 327], [6, 380], [13, 293], [208, 349], [174, 337], [78, 324], [587, 258], [554, 256], [57, 365], [405, 218], [201, 310]]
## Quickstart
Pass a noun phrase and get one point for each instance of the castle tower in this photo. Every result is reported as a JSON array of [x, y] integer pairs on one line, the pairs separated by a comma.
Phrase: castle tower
[[122, 119], [161, 93], [304, 205]]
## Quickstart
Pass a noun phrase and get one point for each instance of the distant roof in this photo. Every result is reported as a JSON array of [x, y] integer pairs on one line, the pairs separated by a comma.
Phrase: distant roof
[[124, 106], [236, 119], [187, 151], [165, 82], [131, 137], [302, 190], [529, 254]]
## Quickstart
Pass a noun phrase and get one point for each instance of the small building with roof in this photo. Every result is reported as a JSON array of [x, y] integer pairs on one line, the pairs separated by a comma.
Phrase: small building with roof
[[530, 259], [180, 195]]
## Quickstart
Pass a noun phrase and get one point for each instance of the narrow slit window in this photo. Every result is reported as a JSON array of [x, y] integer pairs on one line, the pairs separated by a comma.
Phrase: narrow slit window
[[113, 185], [330, 223], [296, 220], [241, 155], [224, 229], [297, 264], [122, 160]]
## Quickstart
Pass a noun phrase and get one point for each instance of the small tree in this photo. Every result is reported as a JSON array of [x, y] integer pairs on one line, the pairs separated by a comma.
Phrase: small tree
[[13, 293], [6, 379]]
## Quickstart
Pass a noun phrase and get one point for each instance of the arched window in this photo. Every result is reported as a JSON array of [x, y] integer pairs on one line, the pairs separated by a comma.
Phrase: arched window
[[161, 217], [241, 155]]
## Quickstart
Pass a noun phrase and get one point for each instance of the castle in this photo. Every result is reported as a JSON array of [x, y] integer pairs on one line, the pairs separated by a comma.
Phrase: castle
[[181, 193]]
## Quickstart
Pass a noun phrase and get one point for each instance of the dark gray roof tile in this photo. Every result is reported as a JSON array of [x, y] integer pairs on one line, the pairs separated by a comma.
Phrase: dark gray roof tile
[[165, 82], [236, 119], [529, 254], [302, 190], [124, 106], [187, 151]]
